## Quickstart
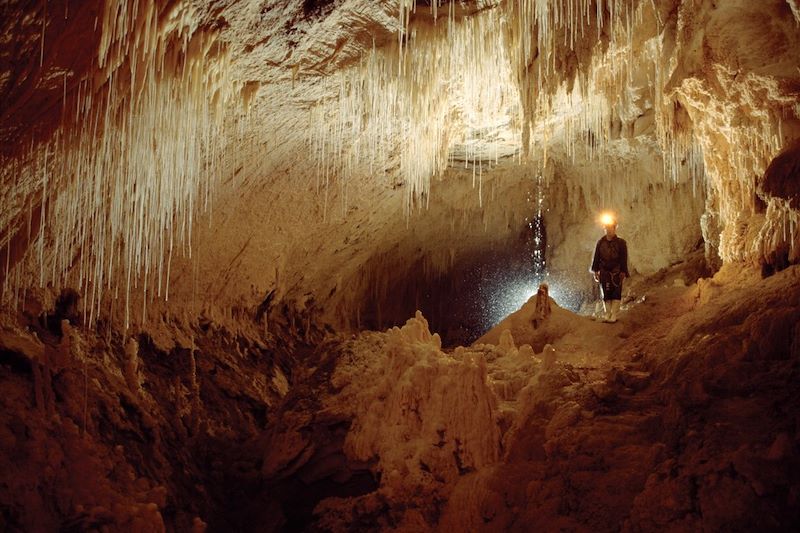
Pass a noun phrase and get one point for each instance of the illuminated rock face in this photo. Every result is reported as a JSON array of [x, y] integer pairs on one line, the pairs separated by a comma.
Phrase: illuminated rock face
[[222, 184], [292, 142]]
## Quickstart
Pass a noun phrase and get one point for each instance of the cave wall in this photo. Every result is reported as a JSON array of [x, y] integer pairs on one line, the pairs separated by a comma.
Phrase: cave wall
[[139, 433], [733, 77]]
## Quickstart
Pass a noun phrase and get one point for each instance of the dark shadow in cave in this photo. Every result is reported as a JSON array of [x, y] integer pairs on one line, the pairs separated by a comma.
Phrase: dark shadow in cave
[[478, 292]]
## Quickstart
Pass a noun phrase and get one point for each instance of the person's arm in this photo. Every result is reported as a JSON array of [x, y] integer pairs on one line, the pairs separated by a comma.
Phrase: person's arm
[[595, 268]]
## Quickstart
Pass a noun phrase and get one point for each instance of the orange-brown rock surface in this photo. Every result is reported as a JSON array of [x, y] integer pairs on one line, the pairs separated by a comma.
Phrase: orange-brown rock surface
[[210, 212]]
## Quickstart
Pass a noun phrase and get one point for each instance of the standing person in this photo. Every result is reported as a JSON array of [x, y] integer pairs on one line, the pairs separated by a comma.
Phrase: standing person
[[610, 267]]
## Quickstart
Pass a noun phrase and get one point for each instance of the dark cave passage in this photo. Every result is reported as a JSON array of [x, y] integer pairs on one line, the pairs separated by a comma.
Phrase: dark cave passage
[[477, 292]]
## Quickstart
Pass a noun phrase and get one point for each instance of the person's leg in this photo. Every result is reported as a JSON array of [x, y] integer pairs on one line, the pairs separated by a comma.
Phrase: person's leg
[[607, 291], [614, 310], [599, 311], [608, 306], [616, 298]]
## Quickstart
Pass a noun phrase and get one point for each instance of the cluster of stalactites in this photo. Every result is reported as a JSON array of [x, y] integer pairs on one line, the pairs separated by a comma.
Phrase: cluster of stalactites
[[618, 88], [400, 109], [403, 108], [137, 154], [616, 91]]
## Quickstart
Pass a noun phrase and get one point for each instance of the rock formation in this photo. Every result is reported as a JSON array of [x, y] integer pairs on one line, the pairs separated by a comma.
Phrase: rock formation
[[267, 265]]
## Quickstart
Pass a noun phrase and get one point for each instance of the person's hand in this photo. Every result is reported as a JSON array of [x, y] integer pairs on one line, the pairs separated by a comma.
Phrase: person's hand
[[596, 275]]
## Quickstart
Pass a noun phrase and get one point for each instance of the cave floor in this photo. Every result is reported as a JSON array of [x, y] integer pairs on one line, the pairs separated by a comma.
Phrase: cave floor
[[682, 416]]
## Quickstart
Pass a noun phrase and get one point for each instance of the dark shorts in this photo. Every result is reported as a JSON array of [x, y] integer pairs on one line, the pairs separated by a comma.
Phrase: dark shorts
[[611, 285]]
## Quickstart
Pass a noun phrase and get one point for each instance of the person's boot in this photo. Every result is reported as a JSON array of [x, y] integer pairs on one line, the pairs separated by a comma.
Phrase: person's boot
[[614, 311], [599, 313], [606, 316]]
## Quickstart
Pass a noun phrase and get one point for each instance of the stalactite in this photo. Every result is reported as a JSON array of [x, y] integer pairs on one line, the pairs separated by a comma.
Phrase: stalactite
[[131, 166], [404, 105]]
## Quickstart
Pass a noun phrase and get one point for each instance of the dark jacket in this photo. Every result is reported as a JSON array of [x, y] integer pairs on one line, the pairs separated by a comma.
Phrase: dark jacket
[[611, 256]]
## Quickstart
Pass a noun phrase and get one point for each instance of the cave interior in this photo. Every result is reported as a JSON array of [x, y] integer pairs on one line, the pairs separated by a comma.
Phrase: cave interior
[[324, 265]]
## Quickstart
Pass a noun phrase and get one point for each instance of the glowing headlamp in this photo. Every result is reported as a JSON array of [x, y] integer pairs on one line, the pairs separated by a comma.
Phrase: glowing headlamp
[[607, 219]]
